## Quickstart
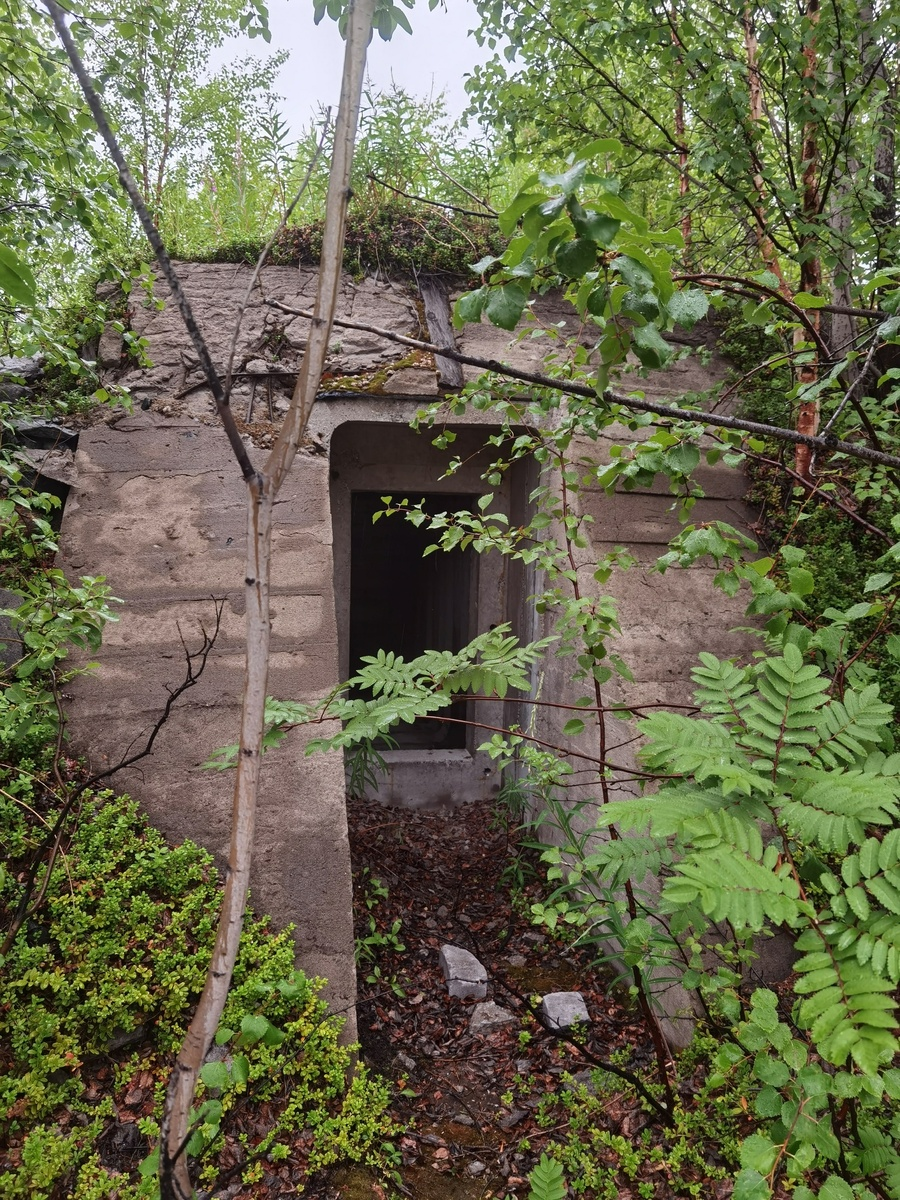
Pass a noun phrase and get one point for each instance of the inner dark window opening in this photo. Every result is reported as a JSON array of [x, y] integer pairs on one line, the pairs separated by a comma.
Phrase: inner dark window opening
[[403, 602]]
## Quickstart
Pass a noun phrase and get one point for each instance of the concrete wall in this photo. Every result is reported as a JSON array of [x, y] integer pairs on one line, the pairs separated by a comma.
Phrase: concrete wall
[[159, 508]]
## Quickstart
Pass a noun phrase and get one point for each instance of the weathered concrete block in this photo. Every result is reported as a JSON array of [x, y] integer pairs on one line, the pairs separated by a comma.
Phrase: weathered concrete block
[[465, 975], [488, 1016], [564, 1010]]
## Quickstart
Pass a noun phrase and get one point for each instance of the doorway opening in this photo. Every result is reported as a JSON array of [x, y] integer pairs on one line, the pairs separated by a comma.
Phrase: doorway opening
[[404, 601]]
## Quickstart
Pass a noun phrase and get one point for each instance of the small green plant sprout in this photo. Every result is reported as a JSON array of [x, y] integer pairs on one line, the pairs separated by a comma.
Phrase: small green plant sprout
[[368, 947]]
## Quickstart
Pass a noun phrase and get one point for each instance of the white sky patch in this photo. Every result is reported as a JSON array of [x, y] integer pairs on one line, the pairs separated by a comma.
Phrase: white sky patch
[[435, 59]]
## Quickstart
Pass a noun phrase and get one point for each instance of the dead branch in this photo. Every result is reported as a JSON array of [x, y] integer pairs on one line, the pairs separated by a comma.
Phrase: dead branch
[[152, 233], [829, 445], [195, 664], [465, 212], [175, 1183]]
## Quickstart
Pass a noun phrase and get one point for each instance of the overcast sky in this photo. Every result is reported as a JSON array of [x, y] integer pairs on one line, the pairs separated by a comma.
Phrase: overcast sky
[[434, 59]]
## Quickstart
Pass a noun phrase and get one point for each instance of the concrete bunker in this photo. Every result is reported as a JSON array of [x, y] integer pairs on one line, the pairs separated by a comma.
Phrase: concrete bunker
[[159, 508], [389, 597]]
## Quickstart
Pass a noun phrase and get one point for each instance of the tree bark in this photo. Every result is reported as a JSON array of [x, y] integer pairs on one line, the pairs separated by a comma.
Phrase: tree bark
[[755, 114], [175, 1181], [810, 263]]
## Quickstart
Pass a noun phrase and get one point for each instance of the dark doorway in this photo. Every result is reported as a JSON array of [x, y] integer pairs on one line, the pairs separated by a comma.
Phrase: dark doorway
[[403, 602]]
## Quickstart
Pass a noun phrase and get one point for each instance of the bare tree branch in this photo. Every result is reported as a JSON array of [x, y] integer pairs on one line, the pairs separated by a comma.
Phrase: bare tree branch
[[828, 445], [175, 1182], [260, 262], [195, 664], [153, 237]]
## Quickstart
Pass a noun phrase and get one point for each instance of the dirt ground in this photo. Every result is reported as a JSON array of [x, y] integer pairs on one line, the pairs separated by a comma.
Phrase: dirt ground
[[468, 1100]]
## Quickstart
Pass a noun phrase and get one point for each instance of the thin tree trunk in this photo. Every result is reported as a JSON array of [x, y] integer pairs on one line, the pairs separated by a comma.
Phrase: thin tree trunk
[[810, 263], [684, 182], [174, 1177], [754, 86]]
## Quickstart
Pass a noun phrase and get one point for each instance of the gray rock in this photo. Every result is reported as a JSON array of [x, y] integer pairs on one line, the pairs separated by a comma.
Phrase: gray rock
[[465, 976], [460, 1119], [517, 960], [11, 647], [411, 381], [487, 1016], [109, 349], [405, 1061], [476, 1168], [29, 369], [44, 435], [219, 1053], [58, 465], [11, 392], [564, 1010], [257, 366], [582, 1079]]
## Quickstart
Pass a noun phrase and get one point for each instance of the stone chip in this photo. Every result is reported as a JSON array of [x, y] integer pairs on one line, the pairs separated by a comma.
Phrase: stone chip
[[466, 977], [564, 1010], [488, 1016]]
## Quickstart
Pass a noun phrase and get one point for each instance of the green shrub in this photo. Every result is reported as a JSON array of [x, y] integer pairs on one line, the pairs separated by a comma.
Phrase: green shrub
[[115, 957]]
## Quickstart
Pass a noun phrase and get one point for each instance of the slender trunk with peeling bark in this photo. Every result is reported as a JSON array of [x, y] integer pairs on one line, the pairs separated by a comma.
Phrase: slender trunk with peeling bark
[[684, 181], [174, 1177], [755, 114], [810, 263]]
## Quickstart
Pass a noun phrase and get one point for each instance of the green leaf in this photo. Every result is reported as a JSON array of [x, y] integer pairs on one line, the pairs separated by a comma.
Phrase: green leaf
[[509, 218], [772, 1071], [573, 728], [253, 1028], [807, 300], [634, 273], [600, 146], [469, 307], [758, 1154], [215, 1075], [505, 305], [149, 1166], [683, 459], [801, 581], [650, 347], [483, 264], [750, 1185], [688, 307], [547, 1180], [576, 258], [240, 1068], [835, 1188], [16, 278], [568, 181], [876, 583], [597, 227]]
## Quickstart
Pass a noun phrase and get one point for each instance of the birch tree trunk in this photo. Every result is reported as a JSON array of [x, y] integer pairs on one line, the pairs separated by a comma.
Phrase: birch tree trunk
[[810, 263], [263, 488]]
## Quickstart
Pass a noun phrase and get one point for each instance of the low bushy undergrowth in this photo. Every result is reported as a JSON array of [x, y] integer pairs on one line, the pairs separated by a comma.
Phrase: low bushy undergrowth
[[392, 238], [95, 995]]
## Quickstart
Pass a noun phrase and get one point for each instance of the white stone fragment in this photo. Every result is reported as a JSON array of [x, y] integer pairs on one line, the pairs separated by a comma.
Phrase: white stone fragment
[[487, 1016], [564, 1010], [465, 976]]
